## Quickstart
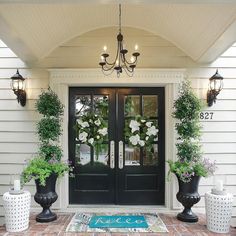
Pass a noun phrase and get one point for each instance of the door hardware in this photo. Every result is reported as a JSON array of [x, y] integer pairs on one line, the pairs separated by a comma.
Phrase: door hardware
[[112, 154], [121, 154]]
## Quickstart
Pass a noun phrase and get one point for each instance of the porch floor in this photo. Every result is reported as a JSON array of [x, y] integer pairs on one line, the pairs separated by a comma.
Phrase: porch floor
[[175, 228]]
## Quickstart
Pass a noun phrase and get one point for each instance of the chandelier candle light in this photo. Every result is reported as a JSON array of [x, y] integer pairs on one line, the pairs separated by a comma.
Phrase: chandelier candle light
[[120, 63]]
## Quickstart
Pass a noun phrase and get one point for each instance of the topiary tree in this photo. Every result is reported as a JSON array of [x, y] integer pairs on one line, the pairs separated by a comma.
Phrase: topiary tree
[[49, 127], [49, 131], [189, 155]]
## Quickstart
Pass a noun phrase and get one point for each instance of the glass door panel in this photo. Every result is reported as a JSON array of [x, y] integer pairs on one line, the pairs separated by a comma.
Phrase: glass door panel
[[145, 106], [132, 156], [101, 155], [100, 103], [150, 105], [150, 156], [132, 105], [82, 154], [82, 105], [89, 154]]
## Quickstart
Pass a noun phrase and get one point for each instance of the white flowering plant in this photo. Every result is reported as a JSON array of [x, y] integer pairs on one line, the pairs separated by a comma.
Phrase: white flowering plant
[[91, 129], [141, 132]]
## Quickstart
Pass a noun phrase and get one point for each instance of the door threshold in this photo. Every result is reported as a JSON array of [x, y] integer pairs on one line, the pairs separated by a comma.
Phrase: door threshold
[[118, 208]]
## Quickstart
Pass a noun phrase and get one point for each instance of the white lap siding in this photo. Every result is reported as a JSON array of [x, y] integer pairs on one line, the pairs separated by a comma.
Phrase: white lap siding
[[18, 140]]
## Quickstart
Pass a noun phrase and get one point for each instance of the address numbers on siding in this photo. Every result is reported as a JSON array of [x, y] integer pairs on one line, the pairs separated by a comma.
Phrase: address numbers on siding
[[206, 115]]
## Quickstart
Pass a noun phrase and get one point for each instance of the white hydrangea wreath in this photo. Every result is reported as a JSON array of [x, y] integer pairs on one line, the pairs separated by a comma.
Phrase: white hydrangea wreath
[[141, 132], [91, 129]]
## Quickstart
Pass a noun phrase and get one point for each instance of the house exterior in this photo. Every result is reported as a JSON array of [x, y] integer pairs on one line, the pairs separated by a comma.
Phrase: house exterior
[[70, 68]]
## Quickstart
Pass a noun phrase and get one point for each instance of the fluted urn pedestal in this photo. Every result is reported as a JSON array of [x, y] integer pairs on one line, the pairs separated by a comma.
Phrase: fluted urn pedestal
[[188, 196], [46, 196]]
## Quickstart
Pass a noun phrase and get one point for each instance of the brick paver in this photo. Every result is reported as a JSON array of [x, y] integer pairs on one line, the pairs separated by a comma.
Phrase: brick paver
[[175, 228]]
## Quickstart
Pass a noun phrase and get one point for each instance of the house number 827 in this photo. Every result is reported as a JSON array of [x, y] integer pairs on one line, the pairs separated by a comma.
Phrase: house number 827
[[206, 115]]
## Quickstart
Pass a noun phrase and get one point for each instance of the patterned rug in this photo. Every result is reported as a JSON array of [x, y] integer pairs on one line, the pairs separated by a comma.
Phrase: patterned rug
[[80, 223]]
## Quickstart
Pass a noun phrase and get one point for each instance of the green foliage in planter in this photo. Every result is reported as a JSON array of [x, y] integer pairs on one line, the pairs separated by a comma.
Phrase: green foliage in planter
[[50, 151], [49, 128], [185, 170], [189, 155], [40, 169], [49, 104]]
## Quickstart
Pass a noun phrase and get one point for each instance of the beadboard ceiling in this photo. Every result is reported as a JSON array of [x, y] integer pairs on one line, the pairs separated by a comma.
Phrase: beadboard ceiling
[[37, 31]]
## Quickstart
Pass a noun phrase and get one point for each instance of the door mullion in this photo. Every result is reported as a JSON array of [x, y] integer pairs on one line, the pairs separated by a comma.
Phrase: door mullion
[[141, 113], [119, 137], [117, 146], [92, 148]]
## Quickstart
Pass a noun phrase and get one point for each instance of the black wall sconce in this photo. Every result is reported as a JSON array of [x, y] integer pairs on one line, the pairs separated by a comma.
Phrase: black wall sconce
[[18, 87], [214, 88]]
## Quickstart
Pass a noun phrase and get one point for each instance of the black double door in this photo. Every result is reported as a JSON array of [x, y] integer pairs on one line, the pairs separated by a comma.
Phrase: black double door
[[117, 172]]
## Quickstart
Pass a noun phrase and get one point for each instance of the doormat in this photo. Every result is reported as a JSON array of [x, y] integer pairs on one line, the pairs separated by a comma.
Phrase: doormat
[[80, 223], [118, 221]]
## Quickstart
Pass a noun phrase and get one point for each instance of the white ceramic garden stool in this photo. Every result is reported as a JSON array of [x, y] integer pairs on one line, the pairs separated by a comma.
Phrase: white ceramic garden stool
[[218, 212], [17, 210]]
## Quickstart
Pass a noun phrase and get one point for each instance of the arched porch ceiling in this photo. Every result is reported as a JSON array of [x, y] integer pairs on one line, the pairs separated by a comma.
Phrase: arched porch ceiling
[[84, 51], [33, 31]]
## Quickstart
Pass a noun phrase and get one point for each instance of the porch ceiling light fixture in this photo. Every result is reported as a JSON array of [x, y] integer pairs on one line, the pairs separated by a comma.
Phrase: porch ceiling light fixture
[[18, 87], [120, 63], [214, 88]]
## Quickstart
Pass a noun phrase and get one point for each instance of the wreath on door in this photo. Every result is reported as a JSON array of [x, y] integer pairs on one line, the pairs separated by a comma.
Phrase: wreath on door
[[141, 132], [91, 129]]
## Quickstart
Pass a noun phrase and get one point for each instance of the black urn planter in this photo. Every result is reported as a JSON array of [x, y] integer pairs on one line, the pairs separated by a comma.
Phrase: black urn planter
[[188, 196], [46, 196]]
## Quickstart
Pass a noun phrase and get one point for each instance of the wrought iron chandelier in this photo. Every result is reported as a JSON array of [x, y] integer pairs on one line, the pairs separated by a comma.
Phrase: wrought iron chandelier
[[120, 63]]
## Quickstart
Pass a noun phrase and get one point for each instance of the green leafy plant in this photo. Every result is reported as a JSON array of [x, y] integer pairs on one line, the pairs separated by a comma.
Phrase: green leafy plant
[[49, 128], [49, 104], [189, 155], [50, 151], [40, 169], [48, 161]]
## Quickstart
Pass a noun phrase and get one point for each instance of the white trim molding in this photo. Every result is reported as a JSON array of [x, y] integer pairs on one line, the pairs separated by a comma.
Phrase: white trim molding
[[62, 79], [141, 77]]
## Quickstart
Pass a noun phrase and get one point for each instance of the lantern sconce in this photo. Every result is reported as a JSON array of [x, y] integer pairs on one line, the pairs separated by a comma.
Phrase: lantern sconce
[[18, 87], [214, 88]]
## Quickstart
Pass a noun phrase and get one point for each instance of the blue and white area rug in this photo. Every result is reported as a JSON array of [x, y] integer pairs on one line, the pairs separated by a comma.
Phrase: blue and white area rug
[[99, 222]]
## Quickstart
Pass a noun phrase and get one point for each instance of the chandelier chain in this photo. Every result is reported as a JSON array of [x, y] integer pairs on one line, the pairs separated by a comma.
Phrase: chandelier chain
[[120, 63], [119, 18]]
